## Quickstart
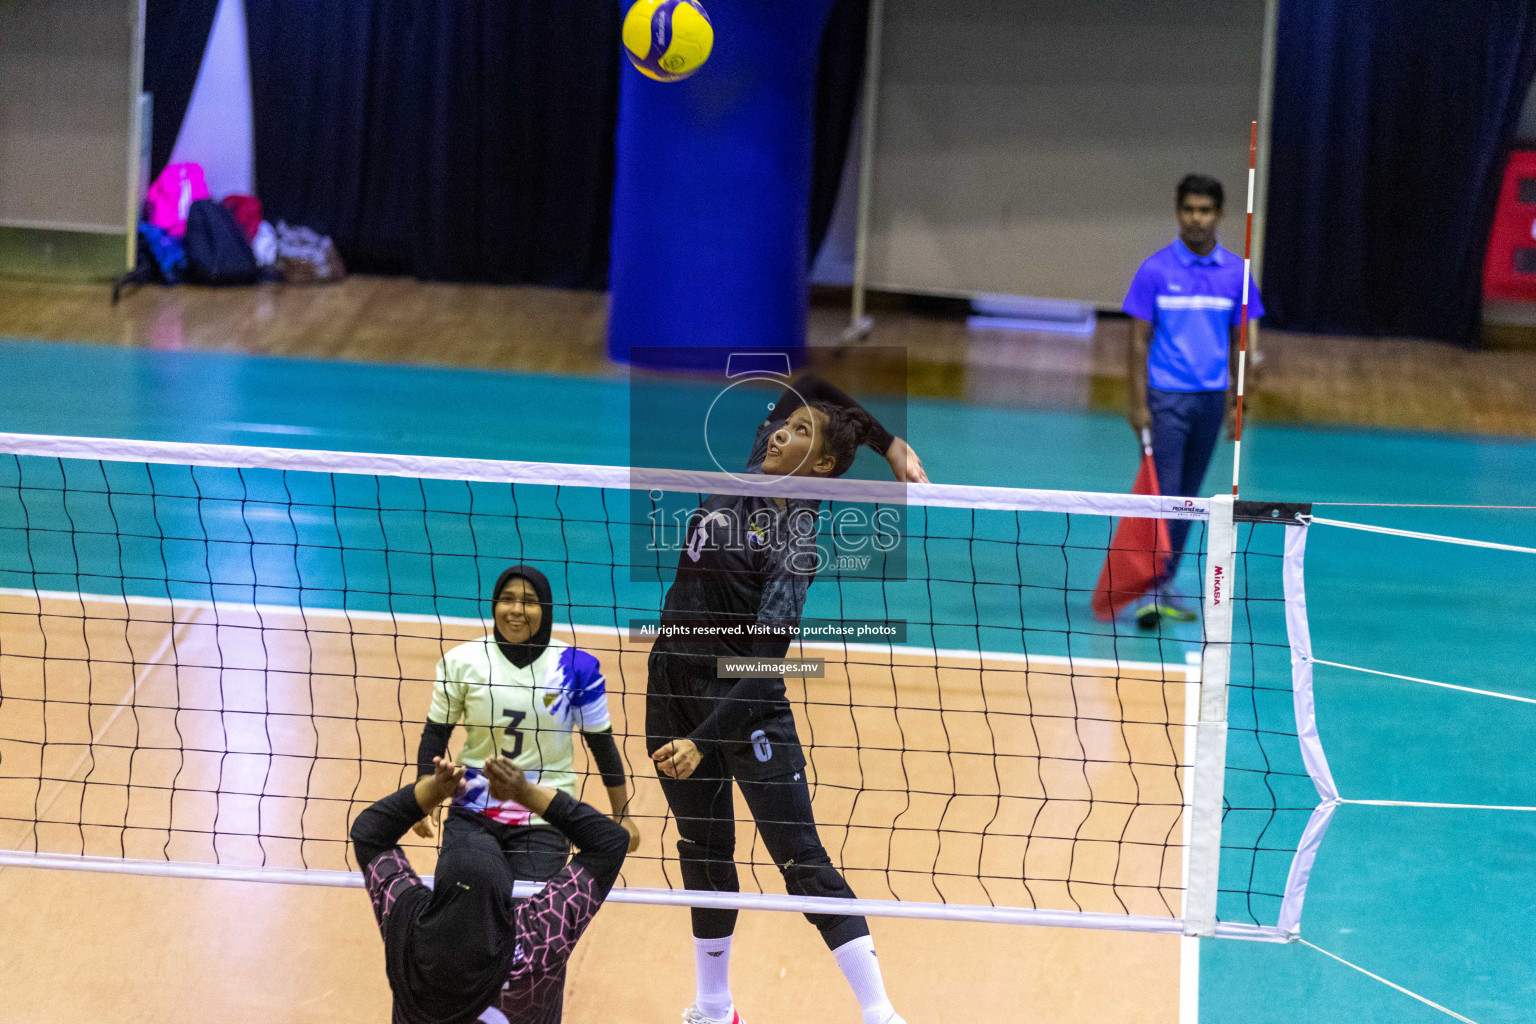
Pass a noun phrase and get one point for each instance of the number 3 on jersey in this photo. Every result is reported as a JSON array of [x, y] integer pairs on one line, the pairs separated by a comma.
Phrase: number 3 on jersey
[[512, 733]]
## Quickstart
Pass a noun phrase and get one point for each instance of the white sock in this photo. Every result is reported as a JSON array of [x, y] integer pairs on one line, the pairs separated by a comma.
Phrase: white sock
[[712, 976], [857, 961]]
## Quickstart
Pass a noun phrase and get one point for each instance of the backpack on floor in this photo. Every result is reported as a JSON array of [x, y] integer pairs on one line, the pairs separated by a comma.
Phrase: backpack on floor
[[247, 211], [217, 252], [170, 198], [161, 258]]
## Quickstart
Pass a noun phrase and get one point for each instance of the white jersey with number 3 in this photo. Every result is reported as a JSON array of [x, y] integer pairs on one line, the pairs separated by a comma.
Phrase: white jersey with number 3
[[525, 714]]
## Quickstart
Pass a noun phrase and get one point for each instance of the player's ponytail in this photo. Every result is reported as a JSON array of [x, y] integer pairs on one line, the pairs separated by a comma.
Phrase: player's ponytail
[[846, 429]]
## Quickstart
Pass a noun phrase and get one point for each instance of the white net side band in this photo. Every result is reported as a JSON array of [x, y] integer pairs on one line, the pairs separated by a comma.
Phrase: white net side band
[[1299, 633], [557, 474], [668, 897]]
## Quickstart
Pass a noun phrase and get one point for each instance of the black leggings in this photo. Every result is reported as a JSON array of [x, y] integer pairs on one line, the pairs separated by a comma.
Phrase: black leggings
[[781, 806]]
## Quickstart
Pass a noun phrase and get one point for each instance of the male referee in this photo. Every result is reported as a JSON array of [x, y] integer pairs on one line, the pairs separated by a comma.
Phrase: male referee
[[1185, 304]]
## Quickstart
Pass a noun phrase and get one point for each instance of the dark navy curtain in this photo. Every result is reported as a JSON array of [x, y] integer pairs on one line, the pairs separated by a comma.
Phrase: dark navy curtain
[[472, 140], [1391, 123], [465, 141], [175, 36], [839, 82]]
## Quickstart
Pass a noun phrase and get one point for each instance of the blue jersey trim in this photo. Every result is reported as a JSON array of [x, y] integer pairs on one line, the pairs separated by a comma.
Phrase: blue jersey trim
[[582, 677]]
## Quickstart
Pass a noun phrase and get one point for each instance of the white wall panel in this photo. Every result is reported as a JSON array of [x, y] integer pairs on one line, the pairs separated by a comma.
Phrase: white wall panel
[[1033, 147], [66, 112]]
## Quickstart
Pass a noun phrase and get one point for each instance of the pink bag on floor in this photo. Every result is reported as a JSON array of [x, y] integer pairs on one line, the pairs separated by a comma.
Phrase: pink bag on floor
[[172, 195]]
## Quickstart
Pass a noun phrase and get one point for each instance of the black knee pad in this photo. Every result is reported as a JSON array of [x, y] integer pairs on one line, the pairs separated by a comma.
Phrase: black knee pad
[[812, 874], [710, 868]]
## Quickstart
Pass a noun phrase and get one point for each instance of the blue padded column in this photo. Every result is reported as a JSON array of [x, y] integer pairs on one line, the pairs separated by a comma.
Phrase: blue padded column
[[712, 197]]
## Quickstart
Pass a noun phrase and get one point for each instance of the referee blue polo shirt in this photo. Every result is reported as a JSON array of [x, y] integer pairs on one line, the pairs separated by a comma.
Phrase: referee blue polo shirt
[[1192, 302]]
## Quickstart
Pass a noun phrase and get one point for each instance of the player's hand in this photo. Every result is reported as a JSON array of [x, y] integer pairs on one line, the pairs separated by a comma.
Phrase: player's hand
[[447, 778], [904, 463], [1231, 419], [423, 827], [507, 779], [1140, 418], [678, 758], [633, 830]]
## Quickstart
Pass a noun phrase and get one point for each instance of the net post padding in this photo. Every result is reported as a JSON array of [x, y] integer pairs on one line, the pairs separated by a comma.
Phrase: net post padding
[[1210, 758], [1300, 636]]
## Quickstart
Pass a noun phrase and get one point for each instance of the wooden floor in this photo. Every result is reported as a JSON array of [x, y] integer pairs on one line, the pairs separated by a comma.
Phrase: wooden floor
[[249, 737], [1300, 378]]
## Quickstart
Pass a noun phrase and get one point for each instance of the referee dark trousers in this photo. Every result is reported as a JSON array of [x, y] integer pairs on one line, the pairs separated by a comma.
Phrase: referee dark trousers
[[1185, 428]]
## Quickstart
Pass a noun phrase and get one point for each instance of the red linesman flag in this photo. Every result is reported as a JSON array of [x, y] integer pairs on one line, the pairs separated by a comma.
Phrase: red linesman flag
[[1138, 552]]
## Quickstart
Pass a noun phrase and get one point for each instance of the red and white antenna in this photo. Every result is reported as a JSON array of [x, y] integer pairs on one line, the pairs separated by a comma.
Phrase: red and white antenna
[[1242, 331]]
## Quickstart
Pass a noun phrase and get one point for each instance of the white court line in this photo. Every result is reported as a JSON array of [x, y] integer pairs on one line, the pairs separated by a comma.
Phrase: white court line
[[1427, 682], [1389, 984], [175, 633], [1172, 672]]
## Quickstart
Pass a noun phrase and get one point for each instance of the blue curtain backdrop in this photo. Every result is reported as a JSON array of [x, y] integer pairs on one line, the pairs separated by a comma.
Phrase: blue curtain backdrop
[[712, 200], [1391, 122], [175, 36]]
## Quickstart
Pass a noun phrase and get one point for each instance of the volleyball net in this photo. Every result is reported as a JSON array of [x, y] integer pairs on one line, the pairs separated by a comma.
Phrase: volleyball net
[[213, 657]]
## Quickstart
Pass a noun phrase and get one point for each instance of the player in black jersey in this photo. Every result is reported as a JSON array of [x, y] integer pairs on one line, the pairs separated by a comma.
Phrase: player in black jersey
[[750, 560]]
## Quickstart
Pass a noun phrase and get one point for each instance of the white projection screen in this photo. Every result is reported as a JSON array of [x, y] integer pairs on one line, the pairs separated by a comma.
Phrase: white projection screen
[[1032, 148]]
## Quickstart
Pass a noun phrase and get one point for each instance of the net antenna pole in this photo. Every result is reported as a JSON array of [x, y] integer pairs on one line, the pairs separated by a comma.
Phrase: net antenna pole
[[1242, 330], [859, 323]]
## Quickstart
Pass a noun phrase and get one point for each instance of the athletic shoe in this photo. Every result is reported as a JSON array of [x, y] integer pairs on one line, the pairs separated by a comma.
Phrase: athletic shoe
[[1164, 607], [692, 1015], [1175, 608], [1148, 615]]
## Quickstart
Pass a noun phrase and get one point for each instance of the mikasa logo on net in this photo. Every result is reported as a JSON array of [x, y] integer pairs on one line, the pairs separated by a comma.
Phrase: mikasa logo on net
[[1216, 585]]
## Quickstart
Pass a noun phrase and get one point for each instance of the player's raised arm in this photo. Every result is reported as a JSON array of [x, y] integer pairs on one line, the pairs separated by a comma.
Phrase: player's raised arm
[[809, 389], [601, 843], [379, 827]]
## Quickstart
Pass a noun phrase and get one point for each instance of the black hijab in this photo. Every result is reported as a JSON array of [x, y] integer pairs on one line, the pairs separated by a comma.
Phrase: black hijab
[[522, 654], [448, 953]]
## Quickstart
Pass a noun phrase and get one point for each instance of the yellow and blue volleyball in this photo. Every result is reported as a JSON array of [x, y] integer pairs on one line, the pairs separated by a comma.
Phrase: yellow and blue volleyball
[[667, 40]]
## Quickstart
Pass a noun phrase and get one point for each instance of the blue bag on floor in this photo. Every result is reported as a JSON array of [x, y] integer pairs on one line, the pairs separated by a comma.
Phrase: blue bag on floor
[[160, 258], [167, 258]]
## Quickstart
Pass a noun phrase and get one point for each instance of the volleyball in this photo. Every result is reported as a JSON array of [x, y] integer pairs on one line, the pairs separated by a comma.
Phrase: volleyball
[[668, 40]]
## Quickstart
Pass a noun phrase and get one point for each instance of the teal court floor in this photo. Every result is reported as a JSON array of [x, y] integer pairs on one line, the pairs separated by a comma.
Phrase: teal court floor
[[1440, 901]]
